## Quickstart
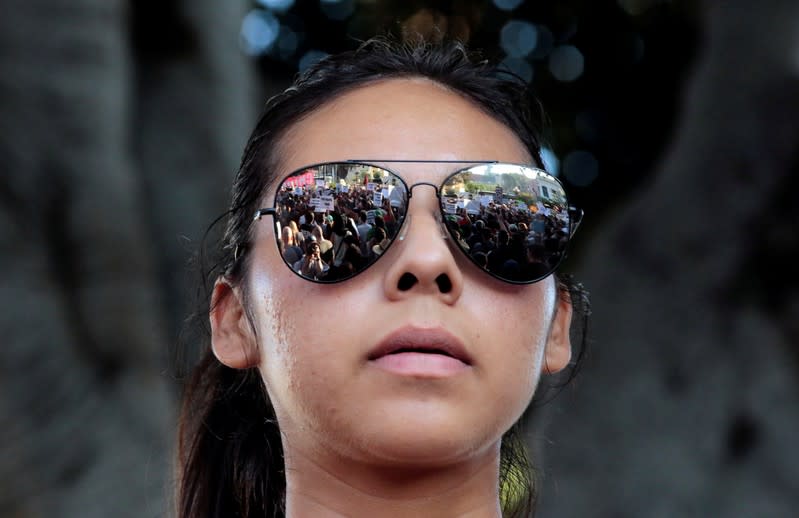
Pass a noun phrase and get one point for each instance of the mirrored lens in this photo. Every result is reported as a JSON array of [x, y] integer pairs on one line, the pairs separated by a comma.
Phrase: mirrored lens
[[511, 220], [333, 221]]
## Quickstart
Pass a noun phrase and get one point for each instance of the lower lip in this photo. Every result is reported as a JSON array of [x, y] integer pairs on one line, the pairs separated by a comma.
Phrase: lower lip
[[421, 365]]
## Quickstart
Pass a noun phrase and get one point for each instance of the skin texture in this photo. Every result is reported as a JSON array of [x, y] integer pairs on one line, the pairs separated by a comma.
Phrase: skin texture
[[359, 440]]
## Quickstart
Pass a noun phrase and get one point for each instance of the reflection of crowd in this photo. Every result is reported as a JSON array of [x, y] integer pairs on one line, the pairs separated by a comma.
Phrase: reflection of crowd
[[333, 244], [516, 244], [513, 242]]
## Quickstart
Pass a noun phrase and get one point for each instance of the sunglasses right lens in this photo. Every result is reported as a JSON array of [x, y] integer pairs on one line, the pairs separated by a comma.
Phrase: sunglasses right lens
[[511, 220], [335, 220]]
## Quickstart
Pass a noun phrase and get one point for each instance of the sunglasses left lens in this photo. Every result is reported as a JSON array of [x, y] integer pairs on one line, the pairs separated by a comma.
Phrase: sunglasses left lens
[[335, 220], [511, 220]]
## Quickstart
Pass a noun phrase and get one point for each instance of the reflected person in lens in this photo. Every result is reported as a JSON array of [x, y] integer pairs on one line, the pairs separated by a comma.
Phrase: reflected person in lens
[[311, 265], [384, 374]]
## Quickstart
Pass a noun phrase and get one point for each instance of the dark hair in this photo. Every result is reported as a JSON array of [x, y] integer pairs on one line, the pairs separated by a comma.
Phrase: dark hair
[[230, 458]]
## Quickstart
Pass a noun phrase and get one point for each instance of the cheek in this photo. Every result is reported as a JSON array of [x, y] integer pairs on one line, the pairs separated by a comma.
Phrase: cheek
[[293, 342], [519, 327], [274, 317]]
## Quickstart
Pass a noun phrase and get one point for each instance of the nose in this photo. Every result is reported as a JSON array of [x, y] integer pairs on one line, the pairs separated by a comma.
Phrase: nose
[[423, 263]]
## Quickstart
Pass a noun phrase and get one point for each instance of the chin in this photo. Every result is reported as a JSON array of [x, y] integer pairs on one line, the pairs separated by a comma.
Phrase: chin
[[415, 444], [423, 454]]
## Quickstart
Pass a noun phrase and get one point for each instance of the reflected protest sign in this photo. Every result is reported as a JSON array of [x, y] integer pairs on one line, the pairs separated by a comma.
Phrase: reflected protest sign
[[498, 194], [370, 216], [377, 198], [395, 196], [542, 209], [450, 208], [326, 203], [370, 186]]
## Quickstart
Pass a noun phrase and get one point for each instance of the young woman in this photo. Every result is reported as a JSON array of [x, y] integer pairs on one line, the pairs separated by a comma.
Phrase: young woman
[[388, 386]]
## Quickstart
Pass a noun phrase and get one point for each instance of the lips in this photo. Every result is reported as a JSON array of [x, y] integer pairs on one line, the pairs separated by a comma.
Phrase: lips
[[422, 341]]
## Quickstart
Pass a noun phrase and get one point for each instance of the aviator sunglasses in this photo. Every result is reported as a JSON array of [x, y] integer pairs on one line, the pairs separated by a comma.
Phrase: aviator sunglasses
[[513, 221]]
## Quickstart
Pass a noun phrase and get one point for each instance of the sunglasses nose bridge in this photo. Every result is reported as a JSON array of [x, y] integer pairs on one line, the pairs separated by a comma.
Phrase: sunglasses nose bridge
[[436, 213], [406, 225]]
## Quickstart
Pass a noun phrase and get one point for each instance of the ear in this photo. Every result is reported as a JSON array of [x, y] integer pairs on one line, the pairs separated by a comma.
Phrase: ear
[[232, 339], [559, 349]]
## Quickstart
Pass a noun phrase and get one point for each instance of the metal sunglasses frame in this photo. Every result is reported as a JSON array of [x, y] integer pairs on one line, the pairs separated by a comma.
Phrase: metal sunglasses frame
[[575, 214]]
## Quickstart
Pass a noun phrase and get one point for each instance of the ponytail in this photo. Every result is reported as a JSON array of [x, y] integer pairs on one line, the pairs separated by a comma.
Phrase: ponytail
[[230, 458]]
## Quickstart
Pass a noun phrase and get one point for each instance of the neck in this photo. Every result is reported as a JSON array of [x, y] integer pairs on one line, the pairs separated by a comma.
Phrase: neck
[[324, 487]]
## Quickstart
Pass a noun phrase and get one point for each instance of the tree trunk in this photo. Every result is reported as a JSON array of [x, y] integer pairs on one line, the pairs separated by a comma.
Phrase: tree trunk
[[689, 404], [109, 159]]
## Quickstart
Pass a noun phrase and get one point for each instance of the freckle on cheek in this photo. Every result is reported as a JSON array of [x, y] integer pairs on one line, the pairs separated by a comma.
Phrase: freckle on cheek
[[275, 329]]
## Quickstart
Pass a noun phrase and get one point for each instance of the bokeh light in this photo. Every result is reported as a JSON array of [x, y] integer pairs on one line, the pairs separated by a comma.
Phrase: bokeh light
[[259, 31], [310, 58], [551, 162], [566, 63], [586, 126], [508, 5], [580, 168], [287, 42], [518, 38], [337, 9], [520, 67], [279, 6], [638, 7], [545, 42]]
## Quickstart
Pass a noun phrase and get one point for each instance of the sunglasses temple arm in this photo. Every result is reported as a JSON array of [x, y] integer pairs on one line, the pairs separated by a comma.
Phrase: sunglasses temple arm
[[264, 212], [575, 218]]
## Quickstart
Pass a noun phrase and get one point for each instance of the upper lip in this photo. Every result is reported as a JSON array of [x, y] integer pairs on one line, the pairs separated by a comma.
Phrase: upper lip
[[432, 340]]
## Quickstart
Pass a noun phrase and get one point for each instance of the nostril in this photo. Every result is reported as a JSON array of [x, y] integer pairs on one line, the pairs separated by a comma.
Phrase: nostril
[[406, 282], [444, 284]]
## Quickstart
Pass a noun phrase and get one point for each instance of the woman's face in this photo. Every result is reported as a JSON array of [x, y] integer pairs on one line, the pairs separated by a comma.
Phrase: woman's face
[[334, 394]]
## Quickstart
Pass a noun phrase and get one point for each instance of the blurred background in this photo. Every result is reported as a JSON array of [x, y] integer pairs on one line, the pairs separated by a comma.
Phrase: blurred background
[[674, 124]]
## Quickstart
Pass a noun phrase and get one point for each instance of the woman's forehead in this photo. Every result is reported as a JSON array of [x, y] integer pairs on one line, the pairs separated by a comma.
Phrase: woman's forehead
[[400, 119]]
